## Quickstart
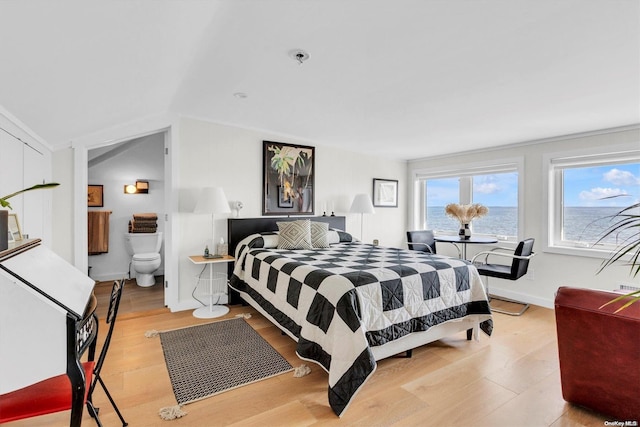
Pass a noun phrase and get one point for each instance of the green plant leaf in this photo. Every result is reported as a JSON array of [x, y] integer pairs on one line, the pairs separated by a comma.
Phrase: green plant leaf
[[628, 219], [632, 296], [5, 204]]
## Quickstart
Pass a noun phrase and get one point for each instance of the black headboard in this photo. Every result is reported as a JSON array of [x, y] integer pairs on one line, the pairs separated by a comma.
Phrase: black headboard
[[239, 228]]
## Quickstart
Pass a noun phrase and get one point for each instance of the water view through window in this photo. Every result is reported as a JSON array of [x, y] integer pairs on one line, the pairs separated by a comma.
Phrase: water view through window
[[497, 191], [591, 197], [501, 221]]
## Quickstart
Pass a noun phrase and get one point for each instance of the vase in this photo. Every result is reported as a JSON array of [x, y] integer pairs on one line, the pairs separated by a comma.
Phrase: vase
[[464, 232], [4, 229]]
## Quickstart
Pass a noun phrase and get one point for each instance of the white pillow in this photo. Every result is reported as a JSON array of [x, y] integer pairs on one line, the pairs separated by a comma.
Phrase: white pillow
[[333, 237], [339, 236], [319, 234], [294, 235]]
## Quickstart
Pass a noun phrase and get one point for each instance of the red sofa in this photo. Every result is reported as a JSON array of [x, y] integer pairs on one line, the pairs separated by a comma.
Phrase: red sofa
[[599, 352]]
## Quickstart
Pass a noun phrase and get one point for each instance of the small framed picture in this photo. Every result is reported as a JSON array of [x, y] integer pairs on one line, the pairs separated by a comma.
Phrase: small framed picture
[[94, 196], [14, 228], [285, 199], [385, 193]]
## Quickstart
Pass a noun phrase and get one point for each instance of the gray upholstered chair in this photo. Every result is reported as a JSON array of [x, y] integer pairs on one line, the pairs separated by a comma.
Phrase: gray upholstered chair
[[518, 268]]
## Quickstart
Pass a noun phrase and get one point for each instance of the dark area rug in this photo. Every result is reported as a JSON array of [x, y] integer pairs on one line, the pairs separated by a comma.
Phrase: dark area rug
[[205, 360]]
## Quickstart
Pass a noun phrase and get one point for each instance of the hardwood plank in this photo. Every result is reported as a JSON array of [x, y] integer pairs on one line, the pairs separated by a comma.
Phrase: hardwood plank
[[510, 378], [135, 299]]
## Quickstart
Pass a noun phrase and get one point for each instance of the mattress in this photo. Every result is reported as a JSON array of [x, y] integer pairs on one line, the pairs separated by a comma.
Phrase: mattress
[[340, 303]]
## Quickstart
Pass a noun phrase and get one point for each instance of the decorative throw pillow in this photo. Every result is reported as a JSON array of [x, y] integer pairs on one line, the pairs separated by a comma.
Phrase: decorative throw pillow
[[294, 235], [339, 236], [333, 237], [319, 232]]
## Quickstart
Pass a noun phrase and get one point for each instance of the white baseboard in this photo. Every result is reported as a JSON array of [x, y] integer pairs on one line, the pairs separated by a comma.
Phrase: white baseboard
[[192, 304], [542, 302], [109, 276], [104, 277]]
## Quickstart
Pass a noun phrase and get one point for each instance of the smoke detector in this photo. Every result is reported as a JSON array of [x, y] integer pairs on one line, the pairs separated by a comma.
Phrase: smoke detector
[[299, 55]]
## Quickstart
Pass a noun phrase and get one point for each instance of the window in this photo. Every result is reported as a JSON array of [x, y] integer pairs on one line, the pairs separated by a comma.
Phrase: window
[[499, 192], [495, 186], [585, 193], [439, 192]]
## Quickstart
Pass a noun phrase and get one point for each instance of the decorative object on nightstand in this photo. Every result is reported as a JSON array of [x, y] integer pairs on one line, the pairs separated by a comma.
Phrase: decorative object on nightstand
[[362, 204], [237, 206], [212, 201], [216, 287]]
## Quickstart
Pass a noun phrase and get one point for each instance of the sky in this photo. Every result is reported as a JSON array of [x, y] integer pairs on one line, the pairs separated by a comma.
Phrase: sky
[[585, 186], [602, 186]]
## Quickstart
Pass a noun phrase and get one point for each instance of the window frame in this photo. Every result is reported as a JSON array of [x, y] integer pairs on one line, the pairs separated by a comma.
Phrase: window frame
[[554, 164], [469, 169]]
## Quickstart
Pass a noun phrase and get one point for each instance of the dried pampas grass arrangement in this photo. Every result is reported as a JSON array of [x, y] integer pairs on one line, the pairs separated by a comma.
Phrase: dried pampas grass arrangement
[[466, 213]]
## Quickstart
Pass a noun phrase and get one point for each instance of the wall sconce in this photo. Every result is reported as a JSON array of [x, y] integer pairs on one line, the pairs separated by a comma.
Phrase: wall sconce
[[140, 187]]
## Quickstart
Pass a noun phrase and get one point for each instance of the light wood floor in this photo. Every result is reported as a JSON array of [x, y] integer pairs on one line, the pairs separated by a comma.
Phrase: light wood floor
[[509, 379], [134, 298]]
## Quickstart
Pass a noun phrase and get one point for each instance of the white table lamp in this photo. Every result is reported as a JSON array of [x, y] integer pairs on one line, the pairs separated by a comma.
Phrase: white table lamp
[[362, 204], [212, 201]]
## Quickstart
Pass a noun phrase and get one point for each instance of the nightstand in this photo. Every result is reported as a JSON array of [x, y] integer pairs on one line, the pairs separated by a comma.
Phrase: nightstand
[[217, 286]]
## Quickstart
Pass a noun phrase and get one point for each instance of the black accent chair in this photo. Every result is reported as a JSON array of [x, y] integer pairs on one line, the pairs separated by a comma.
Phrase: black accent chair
[[114, 304], [421, 240], [518, 268]]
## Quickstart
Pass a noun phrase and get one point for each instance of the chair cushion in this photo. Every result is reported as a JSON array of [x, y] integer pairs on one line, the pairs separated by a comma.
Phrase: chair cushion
[[495, 270], [45, 397]]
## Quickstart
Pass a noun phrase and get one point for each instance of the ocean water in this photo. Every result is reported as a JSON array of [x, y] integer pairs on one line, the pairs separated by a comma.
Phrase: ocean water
[[581, 224]]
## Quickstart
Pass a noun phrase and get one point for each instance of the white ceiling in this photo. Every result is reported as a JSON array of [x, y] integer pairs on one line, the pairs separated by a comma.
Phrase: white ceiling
[[404, 78]]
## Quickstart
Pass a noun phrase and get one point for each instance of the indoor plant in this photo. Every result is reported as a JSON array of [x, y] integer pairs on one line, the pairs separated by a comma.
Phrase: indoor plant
[[4, 214], [628, 219]]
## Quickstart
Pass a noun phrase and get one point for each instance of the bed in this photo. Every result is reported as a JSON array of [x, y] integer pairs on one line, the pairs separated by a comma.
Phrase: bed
[[349, 304]]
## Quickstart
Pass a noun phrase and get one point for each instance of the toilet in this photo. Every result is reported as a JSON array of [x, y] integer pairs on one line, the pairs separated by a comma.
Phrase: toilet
[[144, 249]]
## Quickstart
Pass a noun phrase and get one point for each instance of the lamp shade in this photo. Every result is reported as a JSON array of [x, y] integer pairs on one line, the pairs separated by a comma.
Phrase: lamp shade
[[362, 204], [212, 200]]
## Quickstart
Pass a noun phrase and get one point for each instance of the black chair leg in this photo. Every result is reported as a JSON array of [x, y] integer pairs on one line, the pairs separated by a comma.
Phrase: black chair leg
[[113, 403], [469, 334], [93, 411]]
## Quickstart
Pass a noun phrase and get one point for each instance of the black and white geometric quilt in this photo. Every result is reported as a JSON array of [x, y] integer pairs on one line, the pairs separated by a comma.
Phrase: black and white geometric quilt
[[340, 301]]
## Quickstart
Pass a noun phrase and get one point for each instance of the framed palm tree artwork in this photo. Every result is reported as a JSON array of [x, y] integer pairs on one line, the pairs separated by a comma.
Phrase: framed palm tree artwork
[[288, 179]]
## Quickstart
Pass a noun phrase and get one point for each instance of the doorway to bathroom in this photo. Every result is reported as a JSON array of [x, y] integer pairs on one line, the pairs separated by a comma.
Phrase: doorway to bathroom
[[130, 179], [135, 299]]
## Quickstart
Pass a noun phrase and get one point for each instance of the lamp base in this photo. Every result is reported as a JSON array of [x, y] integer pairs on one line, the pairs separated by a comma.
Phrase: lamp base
[[209, 312]]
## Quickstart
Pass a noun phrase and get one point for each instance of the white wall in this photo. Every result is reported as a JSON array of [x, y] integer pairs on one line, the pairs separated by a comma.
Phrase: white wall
[[208, 154], [63, 217], [26, 161], [229, 157], [550, 270], [143, 159]]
